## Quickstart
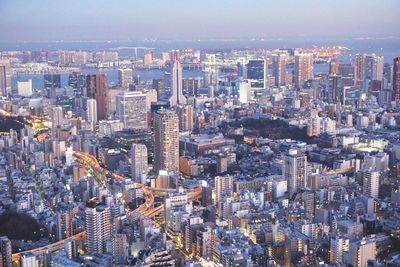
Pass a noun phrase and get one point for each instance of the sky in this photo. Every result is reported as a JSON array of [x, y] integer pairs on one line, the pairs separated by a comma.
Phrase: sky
[[122, 20]]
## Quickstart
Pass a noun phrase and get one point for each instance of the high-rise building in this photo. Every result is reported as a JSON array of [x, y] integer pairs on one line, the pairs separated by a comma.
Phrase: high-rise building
[[97, 89], [139, 162], [257, 73], [65, 215], [166, 140], [71, 248], [303, 69], [185, 115], [3, 81], [119, 249], [98, 227], [28, 259], [396, 79], [335, 89], [91, 112], [78, 81], [159, 86], [132, 110], [125, 77], [57, 118], [348, 72], [176, 96], [223, 187], [369, 68], [5, 252], [52, 81], [24, 88], [333, 67], [360, 252], [148, 58], [370, 183], [295, 170], [279, 68], [338, 246]]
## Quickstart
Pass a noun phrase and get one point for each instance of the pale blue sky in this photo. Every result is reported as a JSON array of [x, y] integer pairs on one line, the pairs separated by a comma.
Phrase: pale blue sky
[[99, 20]]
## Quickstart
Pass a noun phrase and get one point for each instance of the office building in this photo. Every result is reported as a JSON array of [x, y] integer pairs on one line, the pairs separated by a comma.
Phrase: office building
[[369, 68], [96, 88], [57, 118], [132, 110], [303, 69], [185, 115], [159, 86], [396, 79], [24, 88], [91, 112], [166, 140], [279, 68], [52, 81], [257, 73], [176, 96], [295, 170], [3, 81], [98, 227], [139, 161], [125, 77]]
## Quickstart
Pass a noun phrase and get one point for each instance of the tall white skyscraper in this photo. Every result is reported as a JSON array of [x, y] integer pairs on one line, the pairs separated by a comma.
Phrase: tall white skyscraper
[[166, 140], [295, 170], [124, 77], [132, 109], [98, 228], [303, 69], [91, 112], [177, 96], [139, 162], [370, 183]]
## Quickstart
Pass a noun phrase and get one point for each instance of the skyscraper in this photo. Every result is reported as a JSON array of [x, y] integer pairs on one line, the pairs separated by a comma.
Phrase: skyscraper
[[91, 112], [166, 140], [98, 227], [132, 109], [369, 68], [5, 252], [295, 170], [3, 81], [124, 77], [139, 162], [336, 90], [52, 81], [185, 115], [279, 68], [396, 79], [257, 73], [176, 96], [303, 69], [370, 183], [25, 88], [119, 249], [96, 88], [57, 118]]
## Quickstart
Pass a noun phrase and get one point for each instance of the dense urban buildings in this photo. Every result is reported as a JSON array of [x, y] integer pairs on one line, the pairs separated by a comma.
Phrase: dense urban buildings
[[235, 152]]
